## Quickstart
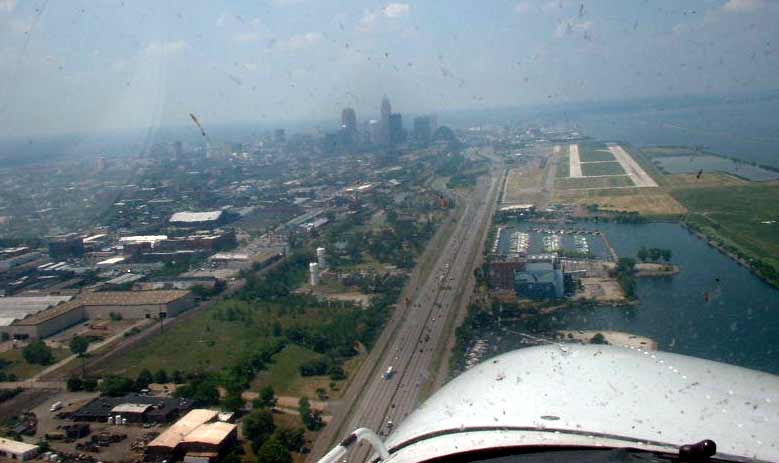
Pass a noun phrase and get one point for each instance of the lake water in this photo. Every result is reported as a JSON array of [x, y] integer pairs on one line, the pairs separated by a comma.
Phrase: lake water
[[737, 323], [746, 130], [693, 164]]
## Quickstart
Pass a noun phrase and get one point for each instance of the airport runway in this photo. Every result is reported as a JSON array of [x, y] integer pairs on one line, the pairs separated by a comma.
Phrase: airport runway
[[386, 401]]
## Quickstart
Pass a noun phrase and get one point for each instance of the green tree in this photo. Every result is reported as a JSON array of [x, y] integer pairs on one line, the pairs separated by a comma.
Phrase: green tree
[[201, 389], [273, 451], [233, 400], [116, 386], [39, 353], [258, 427], [144, 379], [598, 339], [161, 377], [89, 384], [78, 346], [292, 439], [267, 397], [312, 419], [643, 254], [277, 329], [75, 384], [667, 255]]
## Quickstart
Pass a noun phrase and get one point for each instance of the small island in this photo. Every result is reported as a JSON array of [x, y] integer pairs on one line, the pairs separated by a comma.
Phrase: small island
[[614, 338]]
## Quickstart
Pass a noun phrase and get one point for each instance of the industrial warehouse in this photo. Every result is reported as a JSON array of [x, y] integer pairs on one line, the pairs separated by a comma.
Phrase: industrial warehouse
[[198, 437], [133, 408], [51, 318]]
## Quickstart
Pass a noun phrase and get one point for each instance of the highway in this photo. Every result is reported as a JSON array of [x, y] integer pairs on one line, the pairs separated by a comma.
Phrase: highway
[[384, 402]]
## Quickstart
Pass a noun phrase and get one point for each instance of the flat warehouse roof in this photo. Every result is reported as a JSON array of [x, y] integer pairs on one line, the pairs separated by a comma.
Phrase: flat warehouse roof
[[13, 446], [131, 297], [17, 308], [210, 433], [130, 408], [176, 433], [195, 216]]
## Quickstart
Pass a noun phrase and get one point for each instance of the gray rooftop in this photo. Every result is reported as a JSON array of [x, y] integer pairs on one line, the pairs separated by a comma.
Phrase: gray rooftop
[[16, 308]]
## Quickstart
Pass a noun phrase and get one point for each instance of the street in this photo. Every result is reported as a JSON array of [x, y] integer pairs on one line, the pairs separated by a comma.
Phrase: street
[[385, 402]]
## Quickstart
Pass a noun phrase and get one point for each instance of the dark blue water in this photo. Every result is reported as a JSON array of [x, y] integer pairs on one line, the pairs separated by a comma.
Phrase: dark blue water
[[692, 164], [739, 323]]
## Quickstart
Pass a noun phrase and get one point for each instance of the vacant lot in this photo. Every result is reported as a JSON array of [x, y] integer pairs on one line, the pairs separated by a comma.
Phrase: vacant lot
[[746, 217], [593, 182], [522, 179], [285, 378], [591, 169], [284, 374], [21, 368], [199, 343]]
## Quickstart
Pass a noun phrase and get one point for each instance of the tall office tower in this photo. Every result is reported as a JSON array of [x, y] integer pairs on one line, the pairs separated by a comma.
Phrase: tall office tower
[[348, 135], [375, 132], [396, 129], [423, 129], [349, 119], [386, 112], [178, 149]]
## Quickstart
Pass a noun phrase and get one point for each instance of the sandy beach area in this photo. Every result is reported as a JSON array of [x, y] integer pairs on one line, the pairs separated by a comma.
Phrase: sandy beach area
[[614, 338]]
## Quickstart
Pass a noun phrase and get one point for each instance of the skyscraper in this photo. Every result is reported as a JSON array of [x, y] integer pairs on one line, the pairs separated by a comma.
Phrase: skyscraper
[[386, 112], [423, 129], [375, 133], [348, 134], [178, 149], [397, 135], [349, 119]]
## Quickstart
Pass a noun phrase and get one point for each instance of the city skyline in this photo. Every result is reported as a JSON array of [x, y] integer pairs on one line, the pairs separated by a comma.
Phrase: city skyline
[[300, 60]]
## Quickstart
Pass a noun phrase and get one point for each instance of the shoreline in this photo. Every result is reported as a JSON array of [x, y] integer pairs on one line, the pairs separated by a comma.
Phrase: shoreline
[[710, 240], [614, 338]]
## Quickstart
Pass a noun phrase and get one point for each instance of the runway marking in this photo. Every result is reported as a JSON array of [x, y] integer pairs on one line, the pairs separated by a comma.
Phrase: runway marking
[[575, 163], [637, 174]]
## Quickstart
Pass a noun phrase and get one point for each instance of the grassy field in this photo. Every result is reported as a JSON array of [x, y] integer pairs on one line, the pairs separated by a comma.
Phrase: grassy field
[[646, 164], [21, 368], [707, 180], [736, 214], [284, 375], [563, 165], [594, 182], [596, 155], [659, 151], [522, 178], [590, 169], [199, 343], [591, 149], [661, 204]]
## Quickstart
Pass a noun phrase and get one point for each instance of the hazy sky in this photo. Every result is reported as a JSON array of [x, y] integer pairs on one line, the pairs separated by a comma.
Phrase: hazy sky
[[84, 65]]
